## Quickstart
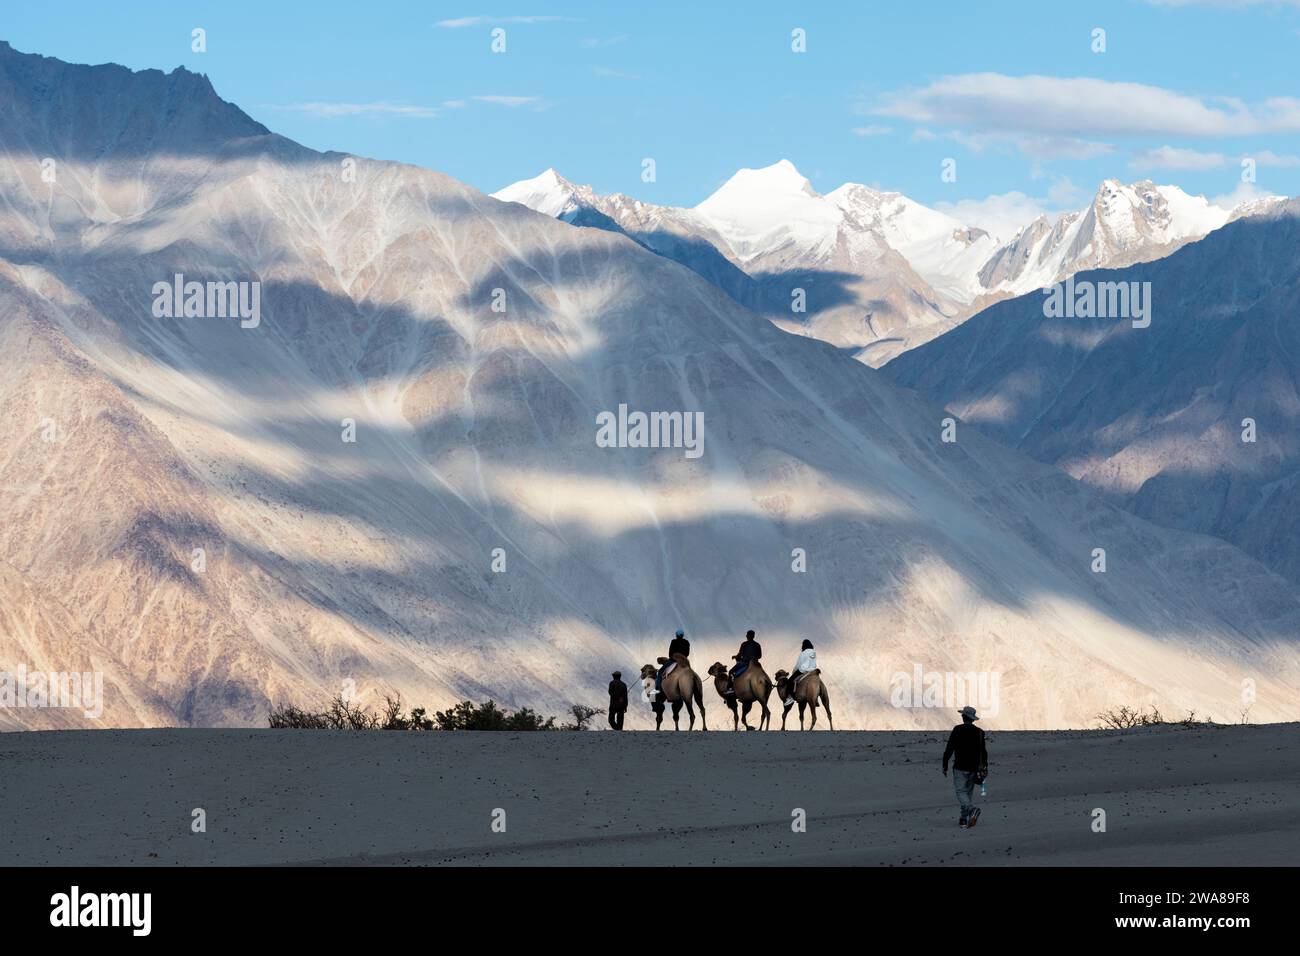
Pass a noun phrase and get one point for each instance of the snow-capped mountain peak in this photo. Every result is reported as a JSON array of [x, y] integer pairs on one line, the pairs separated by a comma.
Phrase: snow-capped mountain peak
[[1146, 212], [1125, 223], [758, 210], [910, 271], [548, 193], [944, 251]]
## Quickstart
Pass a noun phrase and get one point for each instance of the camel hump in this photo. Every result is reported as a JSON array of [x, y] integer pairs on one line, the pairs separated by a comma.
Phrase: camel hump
[[814, 671], [662, 660]]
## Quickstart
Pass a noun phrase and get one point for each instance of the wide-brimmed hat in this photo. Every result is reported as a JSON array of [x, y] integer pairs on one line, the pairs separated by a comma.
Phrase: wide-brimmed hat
[[969, 711]]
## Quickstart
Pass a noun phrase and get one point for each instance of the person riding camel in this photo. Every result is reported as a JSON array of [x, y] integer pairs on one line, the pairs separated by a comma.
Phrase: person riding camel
[[807, 662], [750, 651], [680, 645]]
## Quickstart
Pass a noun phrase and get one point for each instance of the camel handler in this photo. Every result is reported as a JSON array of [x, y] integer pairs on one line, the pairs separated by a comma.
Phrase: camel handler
[[680, 645], [617, 701], [750, 651], [970, 764], [807, 662]]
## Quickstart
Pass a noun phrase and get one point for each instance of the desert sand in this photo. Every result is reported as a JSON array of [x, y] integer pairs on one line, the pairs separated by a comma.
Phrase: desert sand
[[1216, 796]]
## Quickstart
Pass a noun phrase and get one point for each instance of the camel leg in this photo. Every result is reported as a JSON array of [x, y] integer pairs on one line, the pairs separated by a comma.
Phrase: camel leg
[[735, 720], [785, 712], [765, 718], [826, 702], [801, 707], [744, 714], [813, 705], [690, 711]]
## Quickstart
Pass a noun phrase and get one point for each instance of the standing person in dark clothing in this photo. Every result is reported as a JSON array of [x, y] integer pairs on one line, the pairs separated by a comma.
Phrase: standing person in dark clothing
[[617, 701], [680, 645], [970, 764], [750, 650]]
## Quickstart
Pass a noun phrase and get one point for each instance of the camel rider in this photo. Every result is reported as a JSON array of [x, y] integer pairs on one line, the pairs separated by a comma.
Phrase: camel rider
[[750, 650], [807, 662], [680, 645]]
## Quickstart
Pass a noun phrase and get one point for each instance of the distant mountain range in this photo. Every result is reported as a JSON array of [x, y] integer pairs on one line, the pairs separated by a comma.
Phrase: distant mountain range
[[391, 480], [1155, 417], [879, 272]]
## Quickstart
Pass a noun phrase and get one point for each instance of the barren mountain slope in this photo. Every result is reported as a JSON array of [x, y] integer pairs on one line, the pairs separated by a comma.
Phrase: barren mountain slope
[[468, 345]]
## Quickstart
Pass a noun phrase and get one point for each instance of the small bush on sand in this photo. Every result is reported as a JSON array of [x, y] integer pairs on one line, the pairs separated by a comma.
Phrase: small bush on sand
[[295, 718], [1126, 718], [581, 715], [341, 714], [470, 716]]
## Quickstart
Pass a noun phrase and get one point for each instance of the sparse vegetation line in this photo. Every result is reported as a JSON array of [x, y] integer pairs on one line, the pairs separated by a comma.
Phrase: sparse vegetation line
[[341, 714]]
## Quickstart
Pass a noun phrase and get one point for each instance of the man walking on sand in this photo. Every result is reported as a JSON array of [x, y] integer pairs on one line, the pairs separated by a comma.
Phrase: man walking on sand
[[970, 764], [617, 701]]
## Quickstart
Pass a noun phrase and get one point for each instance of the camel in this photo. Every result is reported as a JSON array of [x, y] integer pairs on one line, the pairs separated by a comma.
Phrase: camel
[[680, 686], [808, 691], [752, 686]]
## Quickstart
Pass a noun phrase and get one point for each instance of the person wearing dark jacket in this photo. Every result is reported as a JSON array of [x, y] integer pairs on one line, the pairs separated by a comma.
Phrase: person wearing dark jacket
[[617, 701], [680, 645], [750, 650], [970, 764]]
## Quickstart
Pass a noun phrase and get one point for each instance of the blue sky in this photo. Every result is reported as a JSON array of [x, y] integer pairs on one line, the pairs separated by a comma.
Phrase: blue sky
[[885, 92]]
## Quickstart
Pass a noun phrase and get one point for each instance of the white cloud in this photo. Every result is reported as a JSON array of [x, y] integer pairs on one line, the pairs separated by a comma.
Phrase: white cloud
[[1061, 147], [1231, 4], [1033, 146], [1245, 192], [461, 22], [1172, 157], [383, 108], [1269, 158], [336, 110], [511, 101], [1064, 193], [1082, 107], [1002, 215]]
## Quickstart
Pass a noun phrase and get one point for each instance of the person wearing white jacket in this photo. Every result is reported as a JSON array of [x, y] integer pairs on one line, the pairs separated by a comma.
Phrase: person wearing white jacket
[[807, 662]]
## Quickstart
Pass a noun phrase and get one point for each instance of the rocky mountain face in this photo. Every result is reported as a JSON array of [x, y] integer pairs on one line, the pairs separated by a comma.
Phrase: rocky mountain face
[[373, 461], [1124, 224], [816, 265], [1159, 418], [874, 272]]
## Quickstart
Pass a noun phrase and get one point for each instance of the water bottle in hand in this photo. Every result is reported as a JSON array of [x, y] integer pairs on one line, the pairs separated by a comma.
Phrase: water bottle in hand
[[984, 788]]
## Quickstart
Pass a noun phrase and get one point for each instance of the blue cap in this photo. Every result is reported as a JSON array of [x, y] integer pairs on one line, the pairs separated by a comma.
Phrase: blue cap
[[680, 632]]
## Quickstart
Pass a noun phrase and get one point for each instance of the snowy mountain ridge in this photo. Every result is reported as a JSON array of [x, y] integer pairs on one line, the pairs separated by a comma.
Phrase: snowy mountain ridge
[[907, 272]]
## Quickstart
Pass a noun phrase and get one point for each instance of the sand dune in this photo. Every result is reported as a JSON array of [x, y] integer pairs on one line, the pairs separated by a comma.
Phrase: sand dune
[[1205, 797]]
